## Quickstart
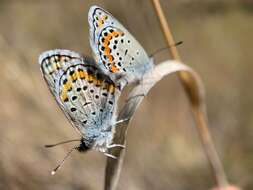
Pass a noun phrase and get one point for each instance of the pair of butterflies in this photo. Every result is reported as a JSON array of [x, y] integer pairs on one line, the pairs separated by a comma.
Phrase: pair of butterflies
[[87, 90]]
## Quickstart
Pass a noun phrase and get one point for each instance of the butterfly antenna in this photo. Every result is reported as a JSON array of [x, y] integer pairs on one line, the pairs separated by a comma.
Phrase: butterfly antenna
[[161, 49], [63, 142], [53, 172]]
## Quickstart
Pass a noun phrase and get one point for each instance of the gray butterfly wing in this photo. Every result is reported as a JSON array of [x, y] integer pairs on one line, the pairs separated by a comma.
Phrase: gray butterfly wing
[[54, 63], [86, 96], [115, 49]]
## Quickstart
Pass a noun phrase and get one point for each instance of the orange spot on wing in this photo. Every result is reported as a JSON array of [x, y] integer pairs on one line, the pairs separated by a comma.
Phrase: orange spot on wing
[[67, 86], [94, 80], [74, 76], [107, 51], [101, 21], [117, 33], [111, 88], [99, 82], [83, 74], [91, 78], [110, 57], [114, 69], [58, 65], [106, 42], [64, 96]]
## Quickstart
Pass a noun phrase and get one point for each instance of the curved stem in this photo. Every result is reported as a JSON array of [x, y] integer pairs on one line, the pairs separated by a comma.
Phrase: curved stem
[[134, 99], [193, 87]]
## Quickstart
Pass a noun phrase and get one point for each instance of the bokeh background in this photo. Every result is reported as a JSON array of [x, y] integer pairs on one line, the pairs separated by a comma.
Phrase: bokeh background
[[163, 149]]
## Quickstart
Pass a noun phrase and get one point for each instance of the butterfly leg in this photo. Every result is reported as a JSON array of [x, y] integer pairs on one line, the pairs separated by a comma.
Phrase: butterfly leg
[[122, 121], [110, 155], [122, 83], [135, 96], [116, 145], [125, 80]]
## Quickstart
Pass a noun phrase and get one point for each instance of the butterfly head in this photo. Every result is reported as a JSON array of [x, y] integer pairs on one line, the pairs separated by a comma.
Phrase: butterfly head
[[83, 147]]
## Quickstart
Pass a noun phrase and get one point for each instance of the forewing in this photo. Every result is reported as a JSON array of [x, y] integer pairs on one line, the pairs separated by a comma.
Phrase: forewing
[[115, 49], [53, 63], [86, 96]]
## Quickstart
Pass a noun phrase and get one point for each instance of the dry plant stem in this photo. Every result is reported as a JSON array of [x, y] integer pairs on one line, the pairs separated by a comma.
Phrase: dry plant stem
[[197, 101], [135, 97]]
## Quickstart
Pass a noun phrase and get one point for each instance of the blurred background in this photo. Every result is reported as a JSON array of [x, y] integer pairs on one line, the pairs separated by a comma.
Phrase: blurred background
[[163, 149]]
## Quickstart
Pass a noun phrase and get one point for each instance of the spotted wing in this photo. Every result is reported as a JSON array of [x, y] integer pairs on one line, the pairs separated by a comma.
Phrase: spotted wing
[[54, 63], [86, 96], [115, 49]]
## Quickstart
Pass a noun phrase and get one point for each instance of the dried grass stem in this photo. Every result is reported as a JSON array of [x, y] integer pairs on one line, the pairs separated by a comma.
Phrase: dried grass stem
[[195, 91]]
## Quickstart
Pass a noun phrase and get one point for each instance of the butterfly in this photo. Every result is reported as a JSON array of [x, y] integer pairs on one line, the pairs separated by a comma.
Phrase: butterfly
[[115, 50], [86, 89]]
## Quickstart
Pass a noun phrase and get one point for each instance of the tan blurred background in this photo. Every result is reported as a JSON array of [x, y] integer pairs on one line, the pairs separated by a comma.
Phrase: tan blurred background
[[163, 150]]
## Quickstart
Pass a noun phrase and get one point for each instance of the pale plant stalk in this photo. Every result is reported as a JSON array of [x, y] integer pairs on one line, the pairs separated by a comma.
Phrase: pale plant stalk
[[195, 92], [134, 99]]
